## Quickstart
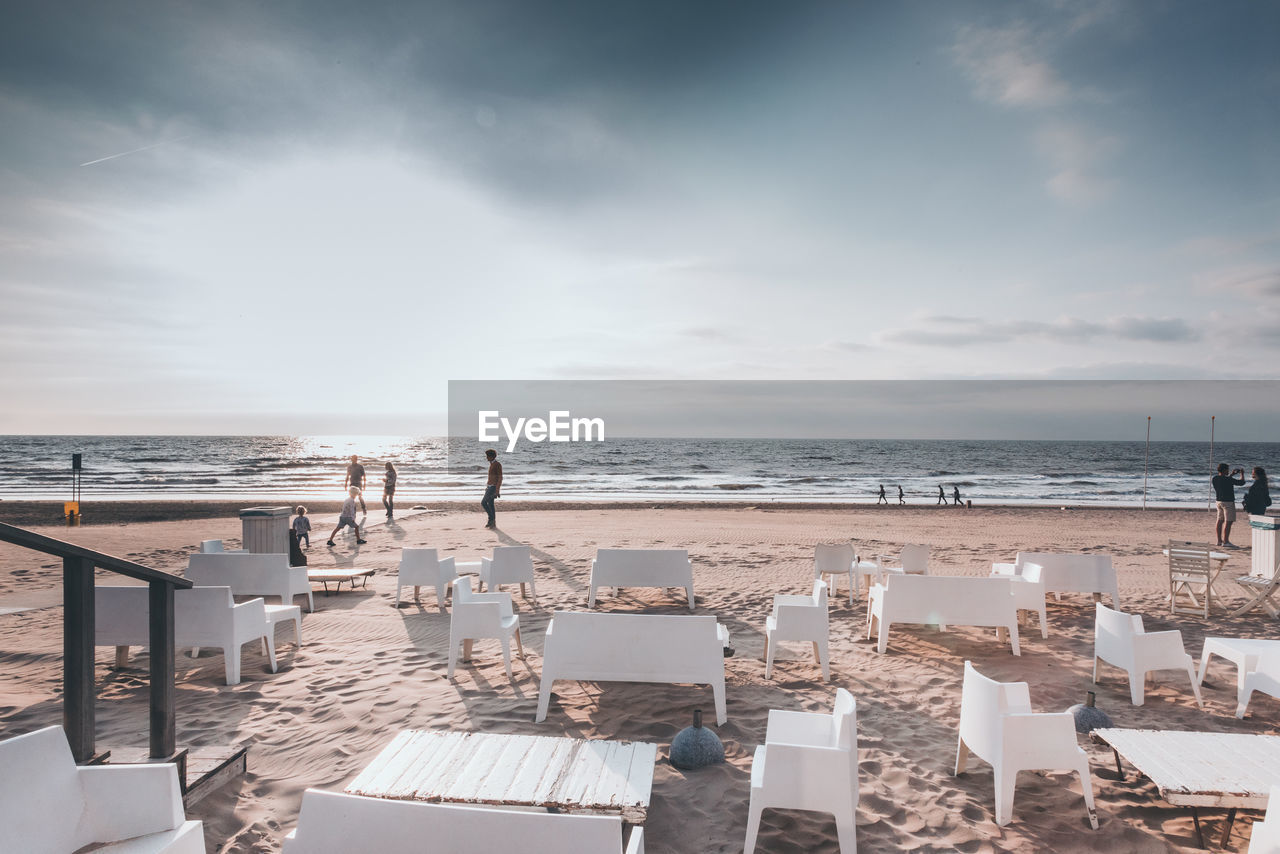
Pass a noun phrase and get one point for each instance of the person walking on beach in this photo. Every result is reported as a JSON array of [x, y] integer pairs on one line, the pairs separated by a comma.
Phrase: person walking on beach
[[1224, 492], [355, 477], [901, 500], [1258, 498], [942, 495], [955, 496], [493, 488], [882, 499], [389, 490], [302, 526], [347, 517]]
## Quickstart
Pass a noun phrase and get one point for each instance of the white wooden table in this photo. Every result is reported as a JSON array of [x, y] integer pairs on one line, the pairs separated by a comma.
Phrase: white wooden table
[[570, 775], [1228, 770]]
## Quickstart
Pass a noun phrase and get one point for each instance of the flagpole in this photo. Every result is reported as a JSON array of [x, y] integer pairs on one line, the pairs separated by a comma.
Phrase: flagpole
[[1212, 422], [1146, 462]]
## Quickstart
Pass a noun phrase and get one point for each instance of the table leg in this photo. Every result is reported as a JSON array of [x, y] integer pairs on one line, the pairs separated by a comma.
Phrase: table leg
[[1195, 816], [1226, 831], [1119, 770]]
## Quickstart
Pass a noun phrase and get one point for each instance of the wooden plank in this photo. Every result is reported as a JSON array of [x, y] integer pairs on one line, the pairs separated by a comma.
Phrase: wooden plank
[[78, 687], [639, 787], [577, 786], [444, 752], [425, 752], [543, 763], [63, 549], [213, 768], [462, 785], [392, 759], [500, 784], [546, 791], [1202, 769]]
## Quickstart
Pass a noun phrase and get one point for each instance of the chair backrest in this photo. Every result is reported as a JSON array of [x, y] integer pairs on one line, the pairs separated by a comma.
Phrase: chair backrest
[[203, 614], [120, 615], [419, 566], [832, 558], [983, 703], [633, 647], [943, 599], [336, 823], [1032, 572], [820, 593], [1264, 838], [1113, 633], [209, 547], [915, 559], [1188, 558], [476, 615], [516, 557], [247, 574], [41, 800], [844, 723]]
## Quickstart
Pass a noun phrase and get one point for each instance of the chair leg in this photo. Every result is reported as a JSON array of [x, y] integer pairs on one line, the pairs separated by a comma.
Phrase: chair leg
[[883, 643], [1195, 686], [846, 835], [1044, 623], [122, 657], [1242, 704], [396, 602], [231, 654], [1137, 687], [753, 826], [768, 660], [1086, 786], [453, 655], [519, 643], [533, 592], [962, 756], [269, 637], [467, 645], [824, 659], [506, 655], [1006, 782], [1095, 670]]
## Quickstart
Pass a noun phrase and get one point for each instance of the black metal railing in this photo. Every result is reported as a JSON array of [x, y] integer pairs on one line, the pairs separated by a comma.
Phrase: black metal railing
[[79, 691]]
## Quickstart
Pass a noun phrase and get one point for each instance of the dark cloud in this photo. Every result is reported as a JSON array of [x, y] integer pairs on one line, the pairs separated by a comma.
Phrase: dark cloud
[[953, 331]]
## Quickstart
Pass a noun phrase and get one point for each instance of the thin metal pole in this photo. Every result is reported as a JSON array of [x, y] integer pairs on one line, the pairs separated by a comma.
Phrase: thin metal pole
[[1146, 464], [1212, 423]]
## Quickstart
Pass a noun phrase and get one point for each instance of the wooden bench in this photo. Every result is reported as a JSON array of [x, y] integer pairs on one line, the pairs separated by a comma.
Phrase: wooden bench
[[1068, 573], [335, 823], [641, 568], [634, 648], [252, 575], [942, 601]]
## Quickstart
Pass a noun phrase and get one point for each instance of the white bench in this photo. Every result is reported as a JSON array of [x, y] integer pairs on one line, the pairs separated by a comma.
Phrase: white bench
[[48, 804], [634, 648], [336, 823], [252, 575], [641, 568], [942, 601], [203, 617], [1068, 573]]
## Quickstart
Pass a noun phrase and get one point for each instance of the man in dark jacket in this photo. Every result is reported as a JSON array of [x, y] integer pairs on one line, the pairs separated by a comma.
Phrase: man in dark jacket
[[1224, 493]]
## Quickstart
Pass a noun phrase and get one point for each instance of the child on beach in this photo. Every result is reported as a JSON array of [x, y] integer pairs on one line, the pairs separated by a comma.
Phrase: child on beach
[[347, 518], [302, 526], [389, 491]]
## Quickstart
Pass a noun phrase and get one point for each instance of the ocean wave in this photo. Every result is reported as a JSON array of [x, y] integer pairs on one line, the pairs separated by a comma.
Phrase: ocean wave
[[667, 477], [737, 486]]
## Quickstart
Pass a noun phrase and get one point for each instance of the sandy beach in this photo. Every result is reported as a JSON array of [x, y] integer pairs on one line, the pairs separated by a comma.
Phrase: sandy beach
[[368, 670]]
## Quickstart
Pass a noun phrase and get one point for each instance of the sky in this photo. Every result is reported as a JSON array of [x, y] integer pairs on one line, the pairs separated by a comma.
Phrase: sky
[[309, 217]]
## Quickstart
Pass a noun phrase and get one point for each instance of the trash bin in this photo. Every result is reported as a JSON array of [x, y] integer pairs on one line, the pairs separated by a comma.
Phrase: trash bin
[[1266, 545], [265, 530]]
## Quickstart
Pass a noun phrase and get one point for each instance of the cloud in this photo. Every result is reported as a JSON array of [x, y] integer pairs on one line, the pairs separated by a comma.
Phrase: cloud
[[1005, 67], [953, 331], [1258, 281]]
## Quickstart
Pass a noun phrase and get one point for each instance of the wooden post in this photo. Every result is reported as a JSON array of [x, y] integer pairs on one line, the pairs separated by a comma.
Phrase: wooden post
[[163, 730], [77, 655]]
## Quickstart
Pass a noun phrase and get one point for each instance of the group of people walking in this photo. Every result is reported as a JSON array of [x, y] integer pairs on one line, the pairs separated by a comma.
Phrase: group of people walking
[[942, 495], [1256, 499]]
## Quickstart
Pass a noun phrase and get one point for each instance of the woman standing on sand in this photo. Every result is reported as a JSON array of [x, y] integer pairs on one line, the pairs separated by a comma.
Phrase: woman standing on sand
[[389, 490], [1258, 498]]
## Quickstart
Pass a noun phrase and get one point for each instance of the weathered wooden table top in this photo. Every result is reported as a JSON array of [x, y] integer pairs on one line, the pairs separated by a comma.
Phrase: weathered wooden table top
[[1202, 769], [565, 774]]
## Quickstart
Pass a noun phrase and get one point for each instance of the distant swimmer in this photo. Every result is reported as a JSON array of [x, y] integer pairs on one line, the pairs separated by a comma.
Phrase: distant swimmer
[[901, 500], [942, 495], [882, 499], [955, 496]]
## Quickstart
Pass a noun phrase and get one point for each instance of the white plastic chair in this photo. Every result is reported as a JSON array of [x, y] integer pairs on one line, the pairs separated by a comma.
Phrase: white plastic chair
[[798, 618], [998, 726], [912, 560], [1264, 838], [1029, 594], [49, 804], [1264, 678], [210, 617], [421, 567], [509, 565], [1120, 640], [834, 560], [481, 615], [808, 762]]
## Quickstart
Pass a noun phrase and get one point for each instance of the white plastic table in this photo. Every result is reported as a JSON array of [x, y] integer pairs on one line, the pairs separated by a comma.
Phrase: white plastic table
[[1243, 652], [1228, 770], [573, 775]]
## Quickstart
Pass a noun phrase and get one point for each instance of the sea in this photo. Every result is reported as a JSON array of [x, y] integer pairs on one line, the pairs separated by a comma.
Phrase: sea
[[298, 468]]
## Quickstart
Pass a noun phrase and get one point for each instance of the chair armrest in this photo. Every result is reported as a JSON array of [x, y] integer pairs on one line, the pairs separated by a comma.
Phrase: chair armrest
[[1016, 697], [446, 567], [123, 801], [502, 600], [1169, 641], [1004, 569], [805, 728], [551, 624], [795, 768], [251, 615], [635, 842], [722, 633], [1046, 731]]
